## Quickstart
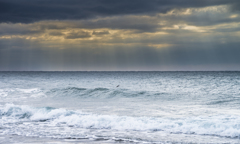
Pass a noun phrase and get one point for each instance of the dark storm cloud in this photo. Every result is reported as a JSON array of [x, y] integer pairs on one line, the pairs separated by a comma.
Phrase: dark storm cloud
[[35, 10], [202, 18], [118, 22], [236, 6], [127, 22], [6, 29]]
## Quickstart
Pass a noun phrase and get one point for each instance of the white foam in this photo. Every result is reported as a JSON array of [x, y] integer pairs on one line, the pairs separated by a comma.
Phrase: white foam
[[41, 94], [17, 93], [223, 125], [33, 90], [4, 92]]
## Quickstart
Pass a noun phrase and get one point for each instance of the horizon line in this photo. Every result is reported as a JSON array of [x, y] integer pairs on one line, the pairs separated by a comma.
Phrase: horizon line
[[135, 71]]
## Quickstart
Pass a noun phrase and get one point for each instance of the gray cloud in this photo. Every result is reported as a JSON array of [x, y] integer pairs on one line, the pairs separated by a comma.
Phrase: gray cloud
[[52, 26], [29, 11], [136, 23], [56, 33], [99, 33], [236, 6], [80, 34], [6, 29], [124, 22], [203, 17]]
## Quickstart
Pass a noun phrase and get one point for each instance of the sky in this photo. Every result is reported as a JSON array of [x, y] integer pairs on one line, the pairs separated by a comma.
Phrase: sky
[[119, 35]]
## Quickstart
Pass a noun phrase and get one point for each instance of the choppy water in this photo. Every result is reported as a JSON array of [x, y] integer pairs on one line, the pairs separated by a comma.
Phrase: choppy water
[[146, 107]]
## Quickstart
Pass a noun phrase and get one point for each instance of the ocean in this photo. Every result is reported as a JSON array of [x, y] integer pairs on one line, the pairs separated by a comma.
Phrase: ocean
[[119, 107]]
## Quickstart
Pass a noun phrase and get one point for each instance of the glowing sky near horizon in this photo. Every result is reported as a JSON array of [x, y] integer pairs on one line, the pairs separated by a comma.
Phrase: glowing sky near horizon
[[85, 35]]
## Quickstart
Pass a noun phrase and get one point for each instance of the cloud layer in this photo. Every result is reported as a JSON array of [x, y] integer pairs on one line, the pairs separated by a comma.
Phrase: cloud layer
[[119, 35], [26, 11]]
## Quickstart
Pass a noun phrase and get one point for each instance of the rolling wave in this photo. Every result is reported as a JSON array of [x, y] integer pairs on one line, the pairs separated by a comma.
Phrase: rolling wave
[[15, 115], [98, 92]]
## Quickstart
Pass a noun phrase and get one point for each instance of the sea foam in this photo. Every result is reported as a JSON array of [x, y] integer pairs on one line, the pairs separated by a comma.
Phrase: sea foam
[[224, 125]]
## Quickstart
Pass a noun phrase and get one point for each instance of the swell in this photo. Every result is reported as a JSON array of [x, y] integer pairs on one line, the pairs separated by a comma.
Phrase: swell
[[225, 101], [99, 93], [222, 125], [108, 93]]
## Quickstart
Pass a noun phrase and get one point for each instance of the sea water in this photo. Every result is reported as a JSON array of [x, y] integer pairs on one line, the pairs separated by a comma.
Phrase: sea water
[[119, 107]]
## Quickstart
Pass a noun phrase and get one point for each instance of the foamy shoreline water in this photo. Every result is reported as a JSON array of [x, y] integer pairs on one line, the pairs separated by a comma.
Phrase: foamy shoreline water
[[14, 139]]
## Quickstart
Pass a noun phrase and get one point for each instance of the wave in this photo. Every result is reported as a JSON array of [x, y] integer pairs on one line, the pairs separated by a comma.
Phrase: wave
[[32, 90], [79, 92], [15, 92], [227, 100], [219, 102], [101, 92], [222, 125]]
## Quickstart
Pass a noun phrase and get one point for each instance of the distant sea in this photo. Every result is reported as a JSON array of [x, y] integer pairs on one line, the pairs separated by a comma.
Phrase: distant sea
[[119, 107]]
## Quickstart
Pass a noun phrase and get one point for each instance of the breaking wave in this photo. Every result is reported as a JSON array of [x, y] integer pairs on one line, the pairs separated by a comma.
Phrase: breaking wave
[[224, 125]]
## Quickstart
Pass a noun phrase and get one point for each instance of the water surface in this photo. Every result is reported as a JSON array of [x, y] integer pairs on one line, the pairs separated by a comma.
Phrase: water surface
[[113, 107]]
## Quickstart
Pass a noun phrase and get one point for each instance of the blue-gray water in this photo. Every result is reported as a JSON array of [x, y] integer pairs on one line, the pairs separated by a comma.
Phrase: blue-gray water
[[126, 107]]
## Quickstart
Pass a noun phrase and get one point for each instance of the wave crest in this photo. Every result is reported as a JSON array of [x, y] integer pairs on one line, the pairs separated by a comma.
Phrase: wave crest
[[101, 92], [226, 126]]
